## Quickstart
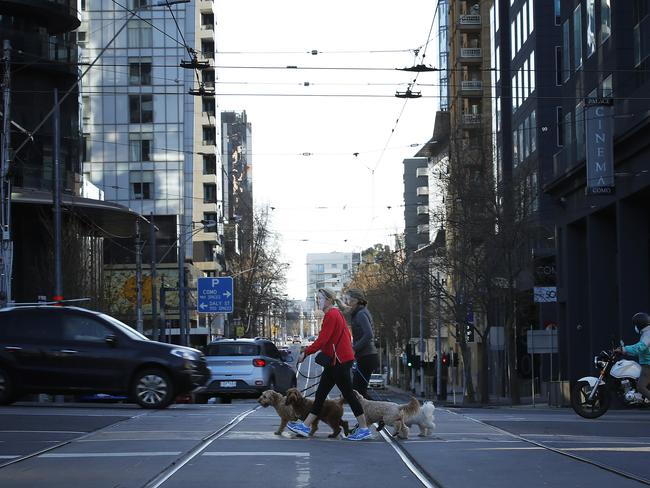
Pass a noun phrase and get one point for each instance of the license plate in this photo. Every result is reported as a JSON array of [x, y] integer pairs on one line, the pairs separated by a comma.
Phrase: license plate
[[228, 384]]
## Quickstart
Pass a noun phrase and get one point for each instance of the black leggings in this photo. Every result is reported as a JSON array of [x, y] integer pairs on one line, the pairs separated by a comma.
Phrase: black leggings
[[366, 365], [338, 375]]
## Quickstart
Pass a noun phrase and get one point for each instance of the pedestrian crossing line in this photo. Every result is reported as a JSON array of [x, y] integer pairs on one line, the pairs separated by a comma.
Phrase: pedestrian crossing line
[[71, 455], [256, 453]]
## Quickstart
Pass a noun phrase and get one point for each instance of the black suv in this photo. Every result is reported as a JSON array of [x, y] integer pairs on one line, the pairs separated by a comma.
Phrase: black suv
[[45, 349]]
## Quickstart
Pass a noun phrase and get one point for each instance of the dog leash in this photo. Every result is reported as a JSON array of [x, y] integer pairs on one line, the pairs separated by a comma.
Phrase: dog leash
[[298, 372]]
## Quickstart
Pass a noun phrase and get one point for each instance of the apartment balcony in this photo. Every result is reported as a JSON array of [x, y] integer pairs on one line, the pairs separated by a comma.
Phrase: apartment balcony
[[55, 15], [471, 120], [469, 22], [471, 87], [471, 55]]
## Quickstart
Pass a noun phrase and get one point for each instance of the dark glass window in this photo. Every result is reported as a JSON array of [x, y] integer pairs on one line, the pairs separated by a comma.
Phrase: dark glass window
[[233, 349]]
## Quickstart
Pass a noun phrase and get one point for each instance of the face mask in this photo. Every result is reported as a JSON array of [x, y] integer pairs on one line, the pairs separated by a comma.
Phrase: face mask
[[322, 301]]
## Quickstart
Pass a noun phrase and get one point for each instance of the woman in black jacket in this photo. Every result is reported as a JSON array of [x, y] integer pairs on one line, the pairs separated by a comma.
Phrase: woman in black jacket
[[363, 341]]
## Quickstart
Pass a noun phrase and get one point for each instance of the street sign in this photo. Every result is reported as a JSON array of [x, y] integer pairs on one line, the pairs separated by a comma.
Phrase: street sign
[[545, 294], [215, 295]]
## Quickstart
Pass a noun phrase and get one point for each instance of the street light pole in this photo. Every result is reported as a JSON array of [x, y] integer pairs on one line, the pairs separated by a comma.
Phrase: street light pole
[[438, 341]]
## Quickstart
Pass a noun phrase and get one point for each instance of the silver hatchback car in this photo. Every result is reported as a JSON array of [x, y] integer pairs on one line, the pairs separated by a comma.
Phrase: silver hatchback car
[[244, 368]]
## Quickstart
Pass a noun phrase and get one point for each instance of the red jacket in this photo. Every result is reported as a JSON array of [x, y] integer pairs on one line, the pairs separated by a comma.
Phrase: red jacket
[[334, 332]]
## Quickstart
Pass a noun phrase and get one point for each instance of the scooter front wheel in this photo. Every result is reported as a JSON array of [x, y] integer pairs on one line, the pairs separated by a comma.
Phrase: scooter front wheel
[[583, 406]]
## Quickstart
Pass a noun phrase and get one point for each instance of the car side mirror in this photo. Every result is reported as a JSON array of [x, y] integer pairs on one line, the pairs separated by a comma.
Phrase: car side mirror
[[111, 340]]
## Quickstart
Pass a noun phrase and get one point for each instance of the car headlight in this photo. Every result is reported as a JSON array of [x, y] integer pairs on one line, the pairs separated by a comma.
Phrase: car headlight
[[185, 354]]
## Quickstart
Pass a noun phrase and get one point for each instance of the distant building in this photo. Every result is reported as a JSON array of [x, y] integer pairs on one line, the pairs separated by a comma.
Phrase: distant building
[[329, 270], [416, 204]]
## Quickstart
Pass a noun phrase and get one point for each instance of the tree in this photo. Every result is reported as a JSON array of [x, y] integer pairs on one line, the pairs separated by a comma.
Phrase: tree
[[259, 274]]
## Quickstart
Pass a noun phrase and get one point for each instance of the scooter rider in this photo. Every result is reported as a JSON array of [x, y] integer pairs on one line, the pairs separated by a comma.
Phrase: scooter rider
[[641, 323]]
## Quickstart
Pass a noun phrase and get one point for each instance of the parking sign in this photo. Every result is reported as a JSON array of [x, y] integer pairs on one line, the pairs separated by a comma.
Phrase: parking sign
[[215, 295]]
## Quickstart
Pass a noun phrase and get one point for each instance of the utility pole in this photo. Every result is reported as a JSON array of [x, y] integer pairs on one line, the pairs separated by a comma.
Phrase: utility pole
[[138, 277], [182, 311], [438, 341], [154, 296], [6, 245], [421, 307], [56, 146]]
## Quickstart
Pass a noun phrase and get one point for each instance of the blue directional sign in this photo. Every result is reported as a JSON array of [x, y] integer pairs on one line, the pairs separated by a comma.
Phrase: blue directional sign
[[215, 295]]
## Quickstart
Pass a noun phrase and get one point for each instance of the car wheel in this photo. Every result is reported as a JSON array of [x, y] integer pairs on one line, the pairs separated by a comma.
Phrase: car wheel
[[6, 388], [152, 388]]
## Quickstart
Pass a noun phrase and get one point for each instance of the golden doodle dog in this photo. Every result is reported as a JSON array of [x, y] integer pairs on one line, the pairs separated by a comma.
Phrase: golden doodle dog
[[271, 398], [389, 413], [331, 414]]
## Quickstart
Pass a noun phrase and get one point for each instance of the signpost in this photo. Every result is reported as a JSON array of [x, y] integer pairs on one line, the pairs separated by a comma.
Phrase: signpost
[[215, 295]]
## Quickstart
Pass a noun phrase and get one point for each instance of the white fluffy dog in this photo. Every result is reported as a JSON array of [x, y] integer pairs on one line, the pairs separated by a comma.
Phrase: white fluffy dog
[[423, 418]]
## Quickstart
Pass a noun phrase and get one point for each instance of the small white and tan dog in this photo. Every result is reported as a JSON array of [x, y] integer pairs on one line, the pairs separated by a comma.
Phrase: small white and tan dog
[[389, 413], [423, 418]]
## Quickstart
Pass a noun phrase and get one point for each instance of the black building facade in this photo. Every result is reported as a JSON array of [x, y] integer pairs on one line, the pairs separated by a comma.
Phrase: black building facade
[[603, 240]]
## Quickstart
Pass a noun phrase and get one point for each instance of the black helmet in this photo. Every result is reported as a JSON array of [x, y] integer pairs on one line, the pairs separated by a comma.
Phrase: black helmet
[[640, 321]]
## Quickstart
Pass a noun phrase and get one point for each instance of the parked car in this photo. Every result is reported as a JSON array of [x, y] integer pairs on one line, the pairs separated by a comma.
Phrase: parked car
[[70, 350], [245, 368], [296, 340], [376, 381]]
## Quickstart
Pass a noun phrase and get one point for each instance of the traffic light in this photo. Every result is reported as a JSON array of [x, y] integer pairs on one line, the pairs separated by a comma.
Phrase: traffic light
[[445, 360], [469, 333], [409, 356]]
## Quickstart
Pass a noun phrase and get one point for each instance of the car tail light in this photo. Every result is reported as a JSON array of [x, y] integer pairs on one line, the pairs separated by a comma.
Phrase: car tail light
[[259, 363]]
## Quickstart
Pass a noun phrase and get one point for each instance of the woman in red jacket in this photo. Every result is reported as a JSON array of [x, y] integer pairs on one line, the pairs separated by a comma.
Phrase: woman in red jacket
[[335, 341]]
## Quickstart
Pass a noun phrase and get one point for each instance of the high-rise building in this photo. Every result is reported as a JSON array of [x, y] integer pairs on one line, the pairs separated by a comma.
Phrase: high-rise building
[[416, 204], [329, 270], [150, 129], [601, 203]]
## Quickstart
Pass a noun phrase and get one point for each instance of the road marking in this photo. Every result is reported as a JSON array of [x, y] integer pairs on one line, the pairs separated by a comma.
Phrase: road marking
[[256, 453], [9, 457], [170, 471], [419, 474], [67, 455], [42, 432]]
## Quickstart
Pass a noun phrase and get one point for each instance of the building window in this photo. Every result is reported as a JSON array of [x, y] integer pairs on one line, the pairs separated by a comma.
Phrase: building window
[[577, 37], [85, 147], [140, 3], [558, 12], [140, 147], [423, 229], [207, 48], [140, 109], [567, 128], [640, 31], [605, 20], [533, 132], [85, 108], [207, 20], [515, 93], [209, 106], [532, 71], [513, 38], [141, 183], [591, 27], [209, 135], [208, 78], [531, 16], [213, 217], [527, 74], [607, 89], [526, 137], [566, 59], [140, 71], [558, 125], [515, 148], [140, 34], [209, 164], [81, 39], [421, 172], [209, 193], [423, 209], [558, 65], [422, 190]]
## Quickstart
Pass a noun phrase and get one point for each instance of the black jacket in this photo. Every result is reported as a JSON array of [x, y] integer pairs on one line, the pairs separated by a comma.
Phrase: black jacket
[[362, 335]]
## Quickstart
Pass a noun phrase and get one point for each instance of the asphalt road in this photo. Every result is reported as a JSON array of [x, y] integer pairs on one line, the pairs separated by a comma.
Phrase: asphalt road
[[233, 445]]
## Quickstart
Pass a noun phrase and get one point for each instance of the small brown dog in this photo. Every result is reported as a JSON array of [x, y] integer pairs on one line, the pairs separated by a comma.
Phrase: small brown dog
[[331, 413], [285, 412]]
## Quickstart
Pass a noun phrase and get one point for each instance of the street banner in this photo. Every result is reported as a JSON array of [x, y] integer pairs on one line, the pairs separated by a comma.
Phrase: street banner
[[600, 152]]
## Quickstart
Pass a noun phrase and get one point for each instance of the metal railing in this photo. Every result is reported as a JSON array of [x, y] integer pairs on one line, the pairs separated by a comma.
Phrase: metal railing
[[470, 52], [471, 119], [471, 85], [469, 19]]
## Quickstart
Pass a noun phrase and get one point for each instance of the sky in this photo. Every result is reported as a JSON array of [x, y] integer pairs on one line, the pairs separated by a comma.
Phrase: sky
[[329, 167]]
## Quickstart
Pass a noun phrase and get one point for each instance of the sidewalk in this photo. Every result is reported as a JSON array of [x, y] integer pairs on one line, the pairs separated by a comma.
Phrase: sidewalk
[[495, 402]]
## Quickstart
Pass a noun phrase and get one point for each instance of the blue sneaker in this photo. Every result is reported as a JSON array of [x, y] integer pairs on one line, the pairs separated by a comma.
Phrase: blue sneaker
[[359, 434], [299, 428]]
